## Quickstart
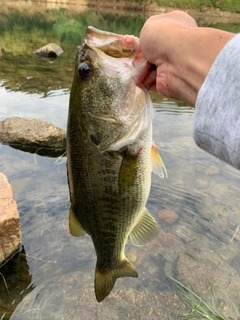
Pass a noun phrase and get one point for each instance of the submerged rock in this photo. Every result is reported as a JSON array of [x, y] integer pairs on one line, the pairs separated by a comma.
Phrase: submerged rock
[[32, 135], [10, 233], [210, 277], [16, 283], [168, 216], [128, 304], [51, 50]]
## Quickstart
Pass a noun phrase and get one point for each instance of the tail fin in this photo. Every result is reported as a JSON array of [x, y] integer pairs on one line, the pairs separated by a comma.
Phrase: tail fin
[[105, 280]]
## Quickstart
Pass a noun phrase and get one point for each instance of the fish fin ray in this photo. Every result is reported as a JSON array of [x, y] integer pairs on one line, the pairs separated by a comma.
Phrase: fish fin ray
[[104, 281], [128, 172], [145, 229], [158, 166], [75, 227]]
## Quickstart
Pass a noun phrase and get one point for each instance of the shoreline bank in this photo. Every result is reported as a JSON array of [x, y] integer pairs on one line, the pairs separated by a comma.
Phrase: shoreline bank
[[203, 15]]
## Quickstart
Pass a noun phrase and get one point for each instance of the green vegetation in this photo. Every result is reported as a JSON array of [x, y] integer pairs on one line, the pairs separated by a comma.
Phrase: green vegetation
[[226, 5], [24, 31], [235, 28], [21, 32], [200, 306]]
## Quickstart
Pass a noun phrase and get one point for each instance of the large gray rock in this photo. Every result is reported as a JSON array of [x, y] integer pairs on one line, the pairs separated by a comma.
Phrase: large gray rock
[[33, 135], [10, 233]]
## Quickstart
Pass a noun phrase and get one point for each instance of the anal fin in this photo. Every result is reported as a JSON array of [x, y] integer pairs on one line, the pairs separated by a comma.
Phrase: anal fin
[[145, 229], [75, 227]]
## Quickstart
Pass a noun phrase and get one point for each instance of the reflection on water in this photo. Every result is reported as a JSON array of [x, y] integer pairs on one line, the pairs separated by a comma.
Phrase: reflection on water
[[196, 207], [15, 283]]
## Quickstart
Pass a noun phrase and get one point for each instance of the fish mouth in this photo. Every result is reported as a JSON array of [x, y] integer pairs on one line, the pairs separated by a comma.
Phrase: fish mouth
[[126, 48], [112, 44]]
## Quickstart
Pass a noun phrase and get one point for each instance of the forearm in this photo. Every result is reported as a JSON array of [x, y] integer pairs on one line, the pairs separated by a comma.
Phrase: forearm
[[217, 114], [202, 46]]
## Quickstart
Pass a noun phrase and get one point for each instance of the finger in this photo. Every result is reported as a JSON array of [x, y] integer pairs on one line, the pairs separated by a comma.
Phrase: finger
[[163, 81], [150, 80]]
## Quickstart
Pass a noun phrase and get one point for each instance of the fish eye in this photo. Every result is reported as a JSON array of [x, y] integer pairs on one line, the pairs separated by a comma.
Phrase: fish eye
[[84, 70]]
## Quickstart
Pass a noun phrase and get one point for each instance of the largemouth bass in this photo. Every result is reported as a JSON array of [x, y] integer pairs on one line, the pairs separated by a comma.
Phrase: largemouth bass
[[110, 152]]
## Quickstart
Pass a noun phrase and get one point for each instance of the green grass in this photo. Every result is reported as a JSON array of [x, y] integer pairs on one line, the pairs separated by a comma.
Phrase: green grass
[[199, 308], [225, 5], [61, 158]]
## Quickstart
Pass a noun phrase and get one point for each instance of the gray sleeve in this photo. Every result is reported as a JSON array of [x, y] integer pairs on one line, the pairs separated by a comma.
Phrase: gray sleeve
[[217, 114]]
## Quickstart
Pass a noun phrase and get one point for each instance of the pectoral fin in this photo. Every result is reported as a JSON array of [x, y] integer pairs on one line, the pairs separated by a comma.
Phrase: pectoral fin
[[75, 226], [158, 166], [105, 280], [128, 171], [145, 229]]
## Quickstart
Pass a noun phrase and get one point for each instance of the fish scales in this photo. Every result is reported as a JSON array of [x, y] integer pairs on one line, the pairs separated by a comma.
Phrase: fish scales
[[109, 148], [89, 183]]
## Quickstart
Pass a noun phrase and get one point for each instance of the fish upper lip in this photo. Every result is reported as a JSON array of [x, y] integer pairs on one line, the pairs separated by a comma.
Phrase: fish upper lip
[[116, 44], [119, 46], [127, 40]]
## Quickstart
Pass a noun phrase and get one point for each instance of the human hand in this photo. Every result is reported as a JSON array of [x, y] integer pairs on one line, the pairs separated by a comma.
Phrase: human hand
[[182, 53]]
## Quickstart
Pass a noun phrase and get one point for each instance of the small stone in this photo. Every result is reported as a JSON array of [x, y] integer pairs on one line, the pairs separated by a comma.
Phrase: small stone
[[133, 254], [10, 233], [133, 257], [74, 277], [212, 170], [168, 216], [51, 50], [203, 9], [169, 239]]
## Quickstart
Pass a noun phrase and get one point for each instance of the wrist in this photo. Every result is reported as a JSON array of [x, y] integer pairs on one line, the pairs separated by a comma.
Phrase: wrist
[[196, 56]]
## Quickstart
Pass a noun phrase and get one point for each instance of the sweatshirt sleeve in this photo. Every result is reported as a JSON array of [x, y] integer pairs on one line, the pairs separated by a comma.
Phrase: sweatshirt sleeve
[[217, 115]]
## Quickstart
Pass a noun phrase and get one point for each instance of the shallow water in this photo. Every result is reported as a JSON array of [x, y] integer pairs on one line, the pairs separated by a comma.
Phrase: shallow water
[[197, 207]]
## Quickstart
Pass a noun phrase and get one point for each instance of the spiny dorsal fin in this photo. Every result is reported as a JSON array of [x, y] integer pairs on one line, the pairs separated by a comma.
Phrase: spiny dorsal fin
[[104, 281], [145, 229], [158, 166], [75, 226]]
